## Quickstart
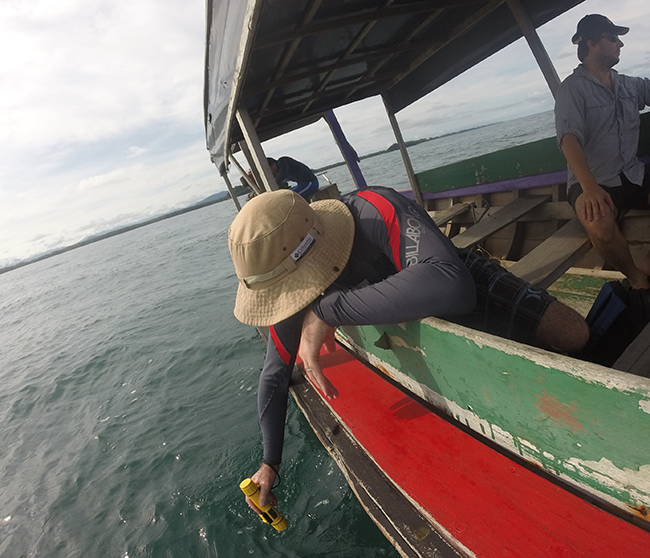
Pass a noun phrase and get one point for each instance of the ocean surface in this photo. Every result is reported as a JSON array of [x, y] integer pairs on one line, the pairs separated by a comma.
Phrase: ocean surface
[[128, 397]]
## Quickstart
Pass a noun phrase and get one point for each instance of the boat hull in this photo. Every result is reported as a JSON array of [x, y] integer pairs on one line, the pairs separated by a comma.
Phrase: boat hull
[[435, 489], [583, 423]]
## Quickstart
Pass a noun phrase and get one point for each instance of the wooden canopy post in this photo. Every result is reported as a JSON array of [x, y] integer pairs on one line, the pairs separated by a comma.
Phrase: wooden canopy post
[[251, 183], [257, 176], [223, 171], [256, 151], [413, 180], [349, 154], [535, 44]]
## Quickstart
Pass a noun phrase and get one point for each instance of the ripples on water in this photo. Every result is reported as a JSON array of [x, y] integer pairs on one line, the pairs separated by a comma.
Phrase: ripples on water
[[128, 399], [128, 410]]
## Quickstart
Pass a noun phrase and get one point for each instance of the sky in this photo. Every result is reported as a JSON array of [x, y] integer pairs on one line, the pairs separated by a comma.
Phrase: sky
[[101, 104]]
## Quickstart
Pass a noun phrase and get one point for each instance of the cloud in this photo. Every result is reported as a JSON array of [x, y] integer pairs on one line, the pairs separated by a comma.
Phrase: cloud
[[113, 178], [85, 70], [135, 151], [101, 106]]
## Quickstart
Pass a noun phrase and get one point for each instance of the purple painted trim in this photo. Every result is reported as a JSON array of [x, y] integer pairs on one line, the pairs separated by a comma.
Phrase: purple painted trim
[[349, 154], [520, 183]]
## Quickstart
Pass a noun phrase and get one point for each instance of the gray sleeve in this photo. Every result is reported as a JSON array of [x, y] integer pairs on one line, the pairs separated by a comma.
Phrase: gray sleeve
[[273, 388], [643, 89], [431, 288], [431, 279], [569, 112]]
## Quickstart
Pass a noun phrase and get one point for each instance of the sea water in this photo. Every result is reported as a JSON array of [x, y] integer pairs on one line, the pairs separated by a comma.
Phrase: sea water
[[128, 397]]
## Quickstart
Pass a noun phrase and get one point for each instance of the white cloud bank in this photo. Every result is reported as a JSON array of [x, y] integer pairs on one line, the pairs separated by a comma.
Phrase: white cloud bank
[[101, 108]]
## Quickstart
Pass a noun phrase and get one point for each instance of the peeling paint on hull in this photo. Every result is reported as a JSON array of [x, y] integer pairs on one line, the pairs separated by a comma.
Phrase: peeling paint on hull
[[583, 423]]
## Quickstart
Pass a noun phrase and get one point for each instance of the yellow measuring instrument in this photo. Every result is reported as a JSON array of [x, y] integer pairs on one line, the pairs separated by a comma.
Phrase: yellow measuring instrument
[[268, 513]]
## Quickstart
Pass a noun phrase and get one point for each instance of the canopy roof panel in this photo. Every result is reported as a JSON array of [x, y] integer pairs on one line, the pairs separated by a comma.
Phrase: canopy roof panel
[[292, 60]]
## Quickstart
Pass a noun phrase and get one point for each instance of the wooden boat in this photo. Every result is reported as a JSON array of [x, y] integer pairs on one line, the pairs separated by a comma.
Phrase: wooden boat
[[455, 441]]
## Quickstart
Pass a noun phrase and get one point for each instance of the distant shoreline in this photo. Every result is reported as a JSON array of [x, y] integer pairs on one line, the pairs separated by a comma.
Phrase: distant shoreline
[[395, 147], [114, 232], [216, 198]]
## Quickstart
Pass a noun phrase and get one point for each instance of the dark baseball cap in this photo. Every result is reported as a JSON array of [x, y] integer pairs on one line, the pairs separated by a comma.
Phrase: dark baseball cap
[[594, 25]]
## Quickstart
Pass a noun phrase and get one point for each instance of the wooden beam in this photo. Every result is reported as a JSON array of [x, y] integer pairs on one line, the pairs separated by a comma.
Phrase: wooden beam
[[535, 44], [348, 52], [405, 44], [231, 190], [442, 217], [290, 51], [257, 153], [256, 182], [546, 263], [377, 87], [461, 29], [361, 18], [402, 149], [493, 223], [396, 76], [548, 211], [244, 174], [323, 66]]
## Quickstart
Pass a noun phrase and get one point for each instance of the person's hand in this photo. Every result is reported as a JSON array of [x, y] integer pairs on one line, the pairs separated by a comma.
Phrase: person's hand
[[315, 334], [595, 203], [264, 478]]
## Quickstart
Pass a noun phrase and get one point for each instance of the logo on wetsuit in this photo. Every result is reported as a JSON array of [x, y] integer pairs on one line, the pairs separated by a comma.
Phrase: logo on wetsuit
[[413, 233]]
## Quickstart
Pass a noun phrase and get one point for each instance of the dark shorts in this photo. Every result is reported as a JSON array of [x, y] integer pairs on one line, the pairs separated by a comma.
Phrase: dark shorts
[[625, 196], [506, 305]]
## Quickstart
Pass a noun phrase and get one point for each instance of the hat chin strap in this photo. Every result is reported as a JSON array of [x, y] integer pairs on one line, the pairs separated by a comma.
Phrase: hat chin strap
[[289, 264]]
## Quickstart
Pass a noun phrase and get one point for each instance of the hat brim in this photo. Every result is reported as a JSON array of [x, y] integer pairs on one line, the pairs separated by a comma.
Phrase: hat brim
[[316, 271], [617, 29]]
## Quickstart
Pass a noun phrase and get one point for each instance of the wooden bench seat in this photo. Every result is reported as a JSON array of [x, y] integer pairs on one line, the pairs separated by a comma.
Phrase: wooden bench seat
[[499, 220], [548, 262], [442, 217]]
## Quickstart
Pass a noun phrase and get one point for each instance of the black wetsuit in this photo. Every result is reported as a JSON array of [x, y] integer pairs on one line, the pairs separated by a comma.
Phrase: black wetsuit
[[401, 268]]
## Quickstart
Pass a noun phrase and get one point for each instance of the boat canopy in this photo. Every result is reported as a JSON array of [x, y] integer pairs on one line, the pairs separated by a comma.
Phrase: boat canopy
[[287, 62]]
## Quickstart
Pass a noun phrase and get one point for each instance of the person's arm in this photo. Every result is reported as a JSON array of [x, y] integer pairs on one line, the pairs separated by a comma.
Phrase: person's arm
[[430, 278], [426, 289], [643, 86], [283, 171], [316, 334], [429, 288], [272, 395], [596, 200], [437, 283]]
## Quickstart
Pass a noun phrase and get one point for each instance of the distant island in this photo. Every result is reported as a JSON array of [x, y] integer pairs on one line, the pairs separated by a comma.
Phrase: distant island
[[210, 200], [214, 198], [395, 147]]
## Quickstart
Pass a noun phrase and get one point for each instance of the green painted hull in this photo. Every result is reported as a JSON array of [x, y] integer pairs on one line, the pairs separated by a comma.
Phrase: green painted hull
[[584, 423], [538, 157]]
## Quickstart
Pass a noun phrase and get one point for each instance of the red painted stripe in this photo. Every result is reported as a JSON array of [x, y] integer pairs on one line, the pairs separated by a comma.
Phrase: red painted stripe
[[387, 213], [493, 506], [284, 354]]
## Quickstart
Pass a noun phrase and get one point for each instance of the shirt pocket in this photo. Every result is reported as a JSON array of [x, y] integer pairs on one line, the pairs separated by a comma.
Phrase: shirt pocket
[[628, 109]]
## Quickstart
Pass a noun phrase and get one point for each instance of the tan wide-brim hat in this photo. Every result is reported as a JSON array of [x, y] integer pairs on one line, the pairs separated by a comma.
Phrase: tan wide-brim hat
[[286, 253]]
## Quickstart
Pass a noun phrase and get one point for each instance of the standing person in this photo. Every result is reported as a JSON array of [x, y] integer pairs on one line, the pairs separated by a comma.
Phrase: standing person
[[288, 169], [597, 124], [373, 257]]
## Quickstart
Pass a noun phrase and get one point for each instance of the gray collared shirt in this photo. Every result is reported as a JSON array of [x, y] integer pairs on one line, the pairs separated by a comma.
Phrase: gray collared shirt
[[605, 123]]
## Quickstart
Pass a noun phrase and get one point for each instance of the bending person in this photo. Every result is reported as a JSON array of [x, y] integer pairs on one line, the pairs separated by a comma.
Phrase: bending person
[[373, 257], [288, 169]]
